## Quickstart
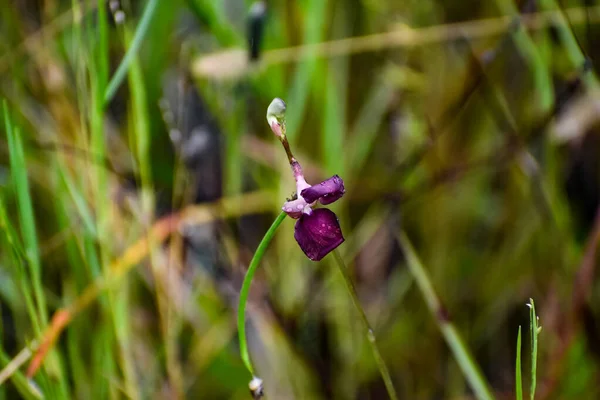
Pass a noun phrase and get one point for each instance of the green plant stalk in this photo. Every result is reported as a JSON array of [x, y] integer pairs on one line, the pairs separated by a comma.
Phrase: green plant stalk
[[233, 121], [568, 40], [18, 167], [18, 257], [139, 35], [518, 378], [534, 331], [383, 370], [55, 388], [527, 48], [461, 353], [140, 141], [364, 133], [97, 257], [314, 30], [258, 255], [213, 17]]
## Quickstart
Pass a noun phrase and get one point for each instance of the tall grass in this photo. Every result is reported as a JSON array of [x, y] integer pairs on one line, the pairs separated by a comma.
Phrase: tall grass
[[534, 331], [120, 275]]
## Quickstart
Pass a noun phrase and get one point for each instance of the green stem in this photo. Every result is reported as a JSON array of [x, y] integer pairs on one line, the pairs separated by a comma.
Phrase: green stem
[[258, 255], [383, 370], [453, 338], [534, 331], [140, 32], [518, 378]]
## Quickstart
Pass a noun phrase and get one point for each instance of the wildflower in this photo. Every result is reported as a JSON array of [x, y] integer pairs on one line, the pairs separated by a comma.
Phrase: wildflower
[[317, 231]]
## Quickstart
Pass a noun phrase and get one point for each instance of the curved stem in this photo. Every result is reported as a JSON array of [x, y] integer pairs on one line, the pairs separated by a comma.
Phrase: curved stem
[[258, 255], [383, 370]]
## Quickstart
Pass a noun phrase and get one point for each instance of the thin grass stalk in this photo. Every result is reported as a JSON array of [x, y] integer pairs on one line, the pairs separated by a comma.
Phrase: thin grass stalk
[[534, 330], [383, 370], [532, 53], [453, 338], [18, 167], [136, 42], [11, 370], [18, 258], [256, 259], [314, 24], [402, 36], [518, 377], [140, 140]]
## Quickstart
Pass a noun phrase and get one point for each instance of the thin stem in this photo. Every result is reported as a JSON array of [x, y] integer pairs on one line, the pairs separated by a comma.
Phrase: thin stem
[[453, 338], [140, 32], [258, 255], [534, 331], [518, 378], [383, 370], [286, 147]]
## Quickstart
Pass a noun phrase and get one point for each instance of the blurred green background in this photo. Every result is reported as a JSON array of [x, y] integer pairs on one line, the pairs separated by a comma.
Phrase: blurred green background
[[138, 175]]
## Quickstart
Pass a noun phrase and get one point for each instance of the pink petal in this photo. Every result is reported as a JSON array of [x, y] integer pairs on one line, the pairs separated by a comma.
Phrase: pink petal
[[294, 208]]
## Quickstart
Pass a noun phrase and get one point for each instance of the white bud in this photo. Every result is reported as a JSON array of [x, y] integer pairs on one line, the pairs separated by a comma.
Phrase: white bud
[[119, 17], [276, 111], [256, 387]]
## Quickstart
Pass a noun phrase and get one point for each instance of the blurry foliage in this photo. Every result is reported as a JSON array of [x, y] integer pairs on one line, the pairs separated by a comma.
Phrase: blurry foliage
[[478, 138]]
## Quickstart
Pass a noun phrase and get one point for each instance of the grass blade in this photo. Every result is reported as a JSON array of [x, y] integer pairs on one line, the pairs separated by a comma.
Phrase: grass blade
[[534, 332], [518, 378], [370, 334], [461, 353], [18, 167], [298, 95], [139, 35]]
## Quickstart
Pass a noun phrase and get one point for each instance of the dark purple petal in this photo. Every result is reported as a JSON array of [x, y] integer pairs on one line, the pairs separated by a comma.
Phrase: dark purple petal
[[318, 233], [326, 192]]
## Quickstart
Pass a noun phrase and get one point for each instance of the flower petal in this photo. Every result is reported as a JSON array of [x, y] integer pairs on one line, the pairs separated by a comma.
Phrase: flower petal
[[318, 233], [294, 208], [326, 192]]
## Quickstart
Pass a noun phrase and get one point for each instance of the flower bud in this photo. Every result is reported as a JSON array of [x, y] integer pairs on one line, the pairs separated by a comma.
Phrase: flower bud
[[276, 116], [256, 388]]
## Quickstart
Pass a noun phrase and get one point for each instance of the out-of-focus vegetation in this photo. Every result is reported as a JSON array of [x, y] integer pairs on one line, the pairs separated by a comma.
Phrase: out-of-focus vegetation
[[135, 188]]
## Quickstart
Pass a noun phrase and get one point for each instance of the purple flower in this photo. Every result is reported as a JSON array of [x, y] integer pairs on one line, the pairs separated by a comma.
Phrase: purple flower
[[317, 231]]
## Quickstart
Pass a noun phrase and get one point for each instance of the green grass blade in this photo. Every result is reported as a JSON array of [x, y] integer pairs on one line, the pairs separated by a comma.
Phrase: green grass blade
[[334, 121], [216, 21], [336, 97], [20, 180], [518, 378], [138, 37], [466, 362], [534, 332], [366, 125], [315, 16], [370, 334], [17, 257], [528, 49], [568, 41], [459, 349]]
